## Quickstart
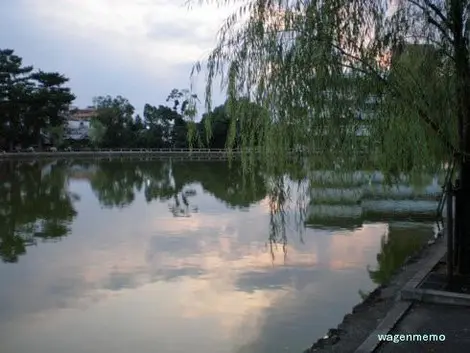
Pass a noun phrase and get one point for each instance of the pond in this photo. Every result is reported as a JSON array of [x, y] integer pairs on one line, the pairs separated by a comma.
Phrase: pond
[[157, 256]]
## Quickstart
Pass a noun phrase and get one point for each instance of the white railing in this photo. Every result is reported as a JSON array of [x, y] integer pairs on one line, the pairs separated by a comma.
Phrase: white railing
[[142, 150], [130, 151]]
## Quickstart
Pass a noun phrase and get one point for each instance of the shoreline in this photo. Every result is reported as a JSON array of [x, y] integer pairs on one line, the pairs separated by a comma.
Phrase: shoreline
[[364, 318], [197, 155]]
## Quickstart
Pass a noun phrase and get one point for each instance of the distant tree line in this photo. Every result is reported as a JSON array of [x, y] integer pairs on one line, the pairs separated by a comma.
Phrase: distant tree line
[[35, 106], [162, 126], [165, 126]]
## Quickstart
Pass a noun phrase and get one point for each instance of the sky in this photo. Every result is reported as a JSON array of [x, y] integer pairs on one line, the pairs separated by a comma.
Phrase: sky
[[140, 49]]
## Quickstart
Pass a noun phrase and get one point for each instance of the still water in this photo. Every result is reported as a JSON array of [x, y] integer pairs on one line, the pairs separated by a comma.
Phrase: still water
[[153, 256]]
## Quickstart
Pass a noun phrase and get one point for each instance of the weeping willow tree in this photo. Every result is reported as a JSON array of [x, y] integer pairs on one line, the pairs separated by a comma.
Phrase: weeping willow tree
[[325, 69]]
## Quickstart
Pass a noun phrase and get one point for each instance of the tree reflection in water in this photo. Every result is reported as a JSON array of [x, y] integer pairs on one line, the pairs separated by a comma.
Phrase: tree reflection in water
[[35, 205], [181, 206], [287, 194], [395, 247], [115, 182], [225, 182], [278, 194]]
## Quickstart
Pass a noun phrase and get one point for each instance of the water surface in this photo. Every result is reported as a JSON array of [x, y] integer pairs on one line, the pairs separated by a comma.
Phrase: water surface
[[149, 256]]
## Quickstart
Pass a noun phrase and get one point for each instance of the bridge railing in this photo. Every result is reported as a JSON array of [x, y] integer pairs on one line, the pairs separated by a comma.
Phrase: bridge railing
[[158, 150], [144, 150], [168, 151]]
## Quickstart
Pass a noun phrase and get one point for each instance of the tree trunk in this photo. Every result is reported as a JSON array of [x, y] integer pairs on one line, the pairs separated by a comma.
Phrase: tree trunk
[[462, 71], [462, 215], [462, 221]]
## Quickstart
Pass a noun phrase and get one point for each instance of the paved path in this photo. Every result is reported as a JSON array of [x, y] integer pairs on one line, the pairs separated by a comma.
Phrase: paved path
[[451, 321]]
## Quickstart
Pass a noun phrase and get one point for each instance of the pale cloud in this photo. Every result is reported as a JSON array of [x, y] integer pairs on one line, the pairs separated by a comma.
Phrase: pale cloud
[[140, 49], [143, 32], [347, 251]]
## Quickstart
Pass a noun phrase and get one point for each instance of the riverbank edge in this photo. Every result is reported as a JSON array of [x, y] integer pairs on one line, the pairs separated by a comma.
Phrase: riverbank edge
[[117, 156], [365, 317]]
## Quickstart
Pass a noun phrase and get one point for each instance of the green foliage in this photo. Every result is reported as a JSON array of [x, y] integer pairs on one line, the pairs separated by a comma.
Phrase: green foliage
[[220, 123], [157, 126], [50, 100], [30, 102], [162, 122], [116, 115], [169, 127], [96, 132], [14, 86], [160, 127], [316, 66], [56, 134]]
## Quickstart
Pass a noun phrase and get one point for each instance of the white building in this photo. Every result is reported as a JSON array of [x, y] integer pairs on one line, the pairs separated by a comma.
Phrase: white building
[[77, 129], [77, 125]]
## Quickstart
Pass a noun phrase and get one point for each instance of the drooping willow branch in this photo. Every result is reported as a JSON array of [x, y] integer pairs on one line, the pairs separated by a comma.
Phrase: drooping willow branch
[[285, 55]]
